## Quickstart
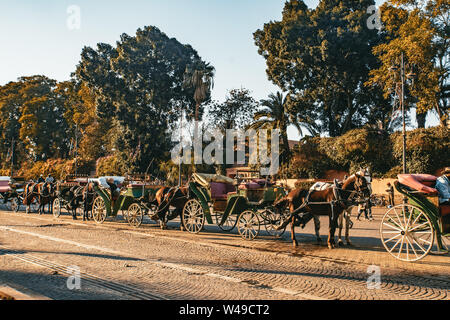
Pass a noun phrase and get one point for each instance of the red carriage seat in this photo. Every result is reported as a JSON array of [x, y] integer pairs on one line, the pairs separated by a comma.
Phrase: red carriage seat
[[220, 190], [4, 186], [420, 182]]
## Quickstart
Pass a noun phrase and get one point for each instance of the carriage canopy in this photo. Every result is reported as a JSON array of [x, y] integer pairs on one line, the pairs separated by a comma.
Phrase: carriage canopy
[[205, 179]]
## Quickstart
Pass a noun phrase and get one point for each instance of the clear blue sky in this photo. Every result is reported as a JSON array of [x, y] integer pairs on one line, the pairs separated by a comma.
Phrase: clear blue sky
[[36, 40]]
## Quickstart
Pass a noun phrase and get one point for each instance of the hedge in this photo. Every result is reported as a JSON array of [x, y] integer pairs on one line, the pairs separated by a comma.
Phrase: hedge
[[428, 150]]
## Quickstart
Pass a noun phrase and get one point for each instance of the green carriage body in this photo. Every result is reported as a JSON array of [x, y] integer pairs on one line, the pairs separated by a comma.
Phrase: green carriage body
[[234, 203], [408, 230], [429, 205], [127, 196]]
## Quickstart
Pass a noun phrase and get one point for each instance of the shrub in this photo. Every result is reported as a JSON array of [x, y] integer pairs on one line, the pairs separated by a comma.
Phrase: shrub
[[111, 166], [427, 150]]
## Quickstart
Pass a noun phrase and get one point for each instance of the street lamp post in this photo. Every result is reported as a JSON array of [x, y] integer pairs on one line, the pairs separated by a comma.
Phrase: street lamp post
[[403, 78]]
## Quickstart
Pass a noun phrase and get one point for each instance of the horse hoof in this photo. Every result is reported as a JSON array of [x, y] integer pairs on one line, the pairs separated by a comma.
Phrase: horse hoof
[[318, 240], [340, 243], [330, 246], [349, 244], [295, 244]]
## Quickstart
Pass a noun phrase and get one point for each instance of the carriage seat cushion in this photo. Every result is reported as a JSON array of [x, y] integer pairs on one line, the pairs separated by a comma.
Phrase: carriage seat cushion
[[250, 186], [4, 186], [220, 190]]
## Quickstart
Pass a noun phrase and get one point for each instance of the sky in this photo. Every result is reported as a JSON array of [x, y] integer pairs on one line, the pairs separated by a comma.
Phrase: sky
[[36, 38]]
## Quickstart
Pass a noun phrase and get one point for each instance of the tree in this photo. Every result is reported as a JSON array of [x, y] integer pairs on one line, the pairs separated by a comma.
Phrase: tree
[[200, 78], [322, 57], [236, 112], [139, 86], [10, 111], [420, 30], [276, 114], [41, 122]]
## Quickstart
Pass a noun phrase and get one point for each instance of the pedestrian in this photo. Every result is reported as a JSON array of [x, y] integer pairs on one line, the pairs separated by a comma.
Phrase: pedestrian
[[366, 208], [390, 191], [40, 179]]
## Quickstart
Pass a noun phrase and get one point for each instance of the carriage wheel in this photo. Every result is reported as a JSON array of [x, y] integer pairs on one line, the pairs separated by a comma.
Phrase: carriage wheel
[[229, 224], [271, 221], [248, 225], [56, 208], [15, 204], [135, 215], [407, 233], [99, 210], [193, 217]]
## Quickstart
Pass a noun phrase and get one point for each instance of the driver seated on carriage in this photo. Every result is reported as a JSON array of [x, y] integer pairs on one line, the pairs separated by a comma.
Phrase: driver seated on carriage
[[431, 185], [115, 191], [49, 179], [443, 186]]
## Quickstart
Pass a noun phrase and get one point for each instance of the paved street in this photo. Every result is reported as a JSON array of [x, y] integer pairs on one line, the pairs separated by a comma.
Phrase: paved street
[[38, 254]]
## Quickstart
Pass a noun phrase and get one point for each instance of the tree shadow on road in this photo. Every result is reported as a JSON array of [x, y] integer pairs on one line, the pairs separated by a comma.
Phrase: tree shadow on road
[[83, 254]]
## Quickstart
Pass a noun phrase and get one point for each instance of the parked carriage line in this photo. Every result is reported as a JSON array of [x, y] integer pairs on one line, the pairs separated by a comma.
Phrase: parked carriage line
[[408, 231]]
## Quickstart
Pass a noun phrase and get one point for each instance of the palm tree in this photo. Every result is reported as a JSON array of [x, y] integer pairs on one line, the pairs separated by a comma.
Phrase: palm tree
[[277, 113], [199, 77]]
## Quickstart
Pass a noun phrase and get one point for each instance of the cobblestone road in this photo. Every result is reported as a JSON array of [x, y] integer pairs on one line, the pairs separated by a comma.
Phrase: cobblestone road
[[120, 262]]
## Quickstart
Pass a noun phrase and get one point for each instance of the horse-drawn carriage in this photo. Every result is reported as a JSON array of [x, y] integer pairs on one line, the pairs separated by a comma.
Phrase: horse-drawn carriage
[[134, 196], [11, 192], [409, 230], [143, 200], [70, 195], [242, 202]]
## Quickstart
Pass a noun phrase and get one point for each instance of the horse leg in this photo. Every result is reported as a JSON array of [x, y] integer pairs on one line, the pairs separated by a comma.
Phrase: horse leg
[[294, 240], [317, 228], [341, 226], [347, 228], [332, 230]]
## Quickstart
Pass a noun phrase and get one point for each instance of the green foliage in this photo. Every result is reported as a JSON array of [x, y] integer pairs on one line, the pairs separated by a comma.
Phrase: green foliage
[[111, 166], [322, 57], [58, 168], [140, 88], [419, 30], [427, 151], [236, 112], [305, 185]]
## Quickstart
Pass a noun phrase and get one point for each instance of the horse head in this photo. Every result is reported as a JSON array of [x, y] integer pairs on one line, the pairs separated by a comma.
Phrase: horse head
[[362, 186]]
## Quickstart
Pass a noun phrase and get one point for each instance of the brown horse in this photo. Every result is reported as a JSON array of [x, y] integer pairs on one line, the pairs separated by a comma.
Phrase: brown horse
[[331, 202], [88, 199], [42, 192], [29, 195], [46, 194], [169, 197]]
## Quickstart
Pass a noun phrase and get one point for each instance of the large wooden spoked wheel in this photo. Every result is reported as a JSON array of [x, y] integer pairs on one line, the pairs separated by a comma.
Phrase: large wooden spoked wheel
[[407, 233], [99, 210], [229, 224], [135, 215], [193, 217], [56, 208], [271, 222], [248, 225]]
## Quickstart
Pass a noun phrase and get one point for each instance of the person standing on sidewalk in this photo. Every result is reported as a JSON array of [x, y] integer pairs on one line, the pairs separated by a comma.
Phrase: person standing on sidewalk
[[390, 191]]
